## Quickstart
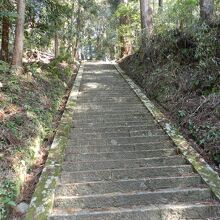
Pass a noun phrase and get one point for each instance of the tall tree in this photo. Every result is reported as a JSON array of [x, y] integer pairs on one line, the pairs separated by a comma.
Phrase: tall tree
[[56, 44], [206, 10], [78, 24], [124, 41], [19, 34], [5, 39], [161, 4], [146, 20]]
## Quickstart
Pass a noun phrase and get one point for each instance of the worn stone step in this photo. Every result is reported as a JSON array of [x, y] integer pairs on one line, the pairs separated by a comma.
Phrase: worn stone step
[[118, 119], [117, 140], [146, 133], [107, 79], [108, 102], [111, 108], [120, 155], [108, 87], [129, 99], [104, 84], [116, 128], [125, 134], [109, 115], [105, 98], [105, 92], [164, 196], [105, 87], [112, 115], [72, 148], [111, 111], [122, 163], [113, 124], [120, 174], [115, 106], [104, 121], [98, 135], [196, 211], [149, 184]]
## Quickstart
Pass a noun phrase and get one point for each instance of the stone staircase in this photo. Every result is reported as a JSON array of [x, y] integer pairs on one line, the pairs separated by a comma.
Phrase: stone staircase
[[120, 164]]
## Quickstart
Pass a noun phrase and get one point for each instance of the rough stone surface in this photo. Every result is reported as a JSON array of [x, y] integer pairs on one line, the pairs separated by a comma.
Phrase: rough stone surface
[[21, 207], [120, 164]]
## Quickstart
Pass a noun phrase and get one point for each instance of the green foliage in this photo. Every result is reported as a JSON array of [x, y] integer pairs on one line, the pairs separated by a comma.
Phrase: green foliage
[[29, 103], [8, 14], [4, 67], [176, 14], [8, 194], [207, 43], [131, 30]]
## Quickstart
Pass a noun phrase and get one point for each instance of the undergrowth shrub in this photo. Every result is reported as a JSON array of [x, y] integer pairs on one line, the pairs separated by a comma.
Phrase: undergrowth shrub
[[180, 69]]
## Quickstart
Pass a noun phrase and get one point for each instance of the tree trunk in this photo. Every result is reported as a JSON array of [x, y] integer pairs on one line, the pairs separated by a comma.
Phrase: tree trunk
[[19, 34], [5, 39], [124, 41], [77, 31], [71, 27], [146, 20], [161, 4], [56, 45], [206, 10]]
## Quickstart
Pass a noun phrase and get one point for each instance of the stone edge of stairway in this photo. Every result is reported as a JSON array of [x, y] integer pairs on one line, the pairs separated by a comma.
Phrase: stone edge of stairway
[[210, 177], [42, 199]]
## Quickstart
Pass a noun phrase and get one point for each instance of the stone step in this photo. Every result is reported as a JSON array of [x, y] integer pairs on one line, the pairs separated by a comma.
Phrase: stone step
[[111, 111], [149, 184], [123, 147], [104, 83], [196, 211], [103, 105], [122, 163], [122, 174], [104, 79], [117, 140], [104, 98], [113, 124], [101, 134], [118, 129], [104, 119], [139, 198], [110, 108], [108, 100], [105, 89], [119, 134], [120, 155], [109, 115], [105, 92], [101, 121]]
